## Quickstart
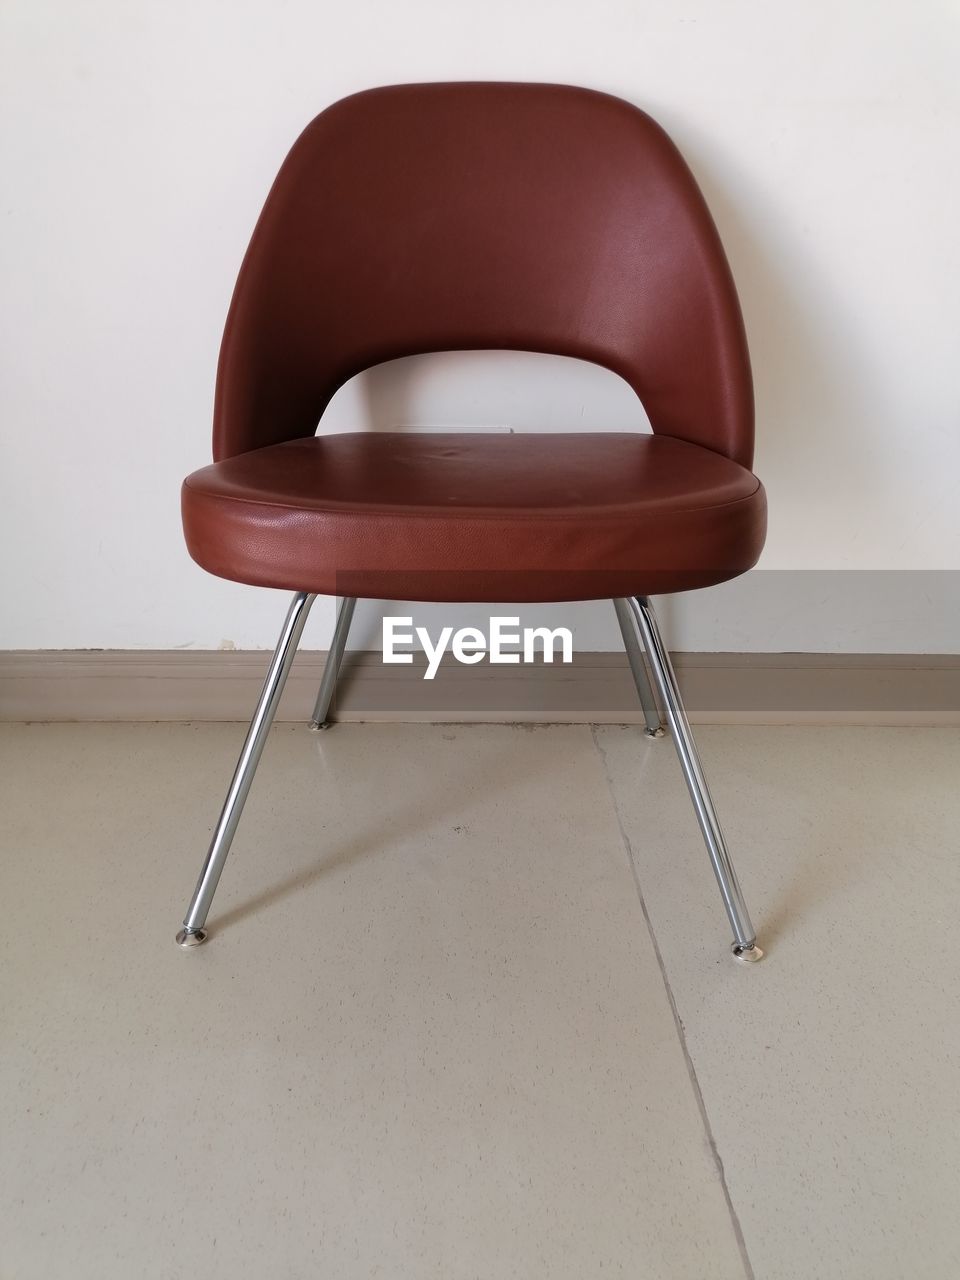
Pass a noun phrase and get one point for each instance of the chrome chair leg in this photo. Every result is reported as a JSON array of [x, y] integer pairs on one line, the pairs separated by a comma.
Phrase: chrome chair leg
[[628, 630], [331, 670], [193, 933], [745, 944]]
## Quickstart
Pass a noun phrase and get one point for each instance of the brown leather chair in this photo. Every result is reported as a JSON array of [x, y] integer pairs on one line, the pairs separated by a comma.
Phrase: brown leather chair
[[442, 217]]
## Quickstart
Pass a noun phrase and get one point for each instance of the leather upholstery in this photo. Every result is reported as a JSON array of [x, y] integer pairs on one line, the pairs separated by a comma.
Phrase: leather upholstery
[[477, 517], [462, 216]]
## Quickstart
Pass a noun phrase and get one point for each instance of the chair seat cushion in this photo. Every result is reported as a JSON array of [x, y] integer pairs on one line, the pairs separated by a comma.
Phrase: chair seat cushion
[[485, 516]]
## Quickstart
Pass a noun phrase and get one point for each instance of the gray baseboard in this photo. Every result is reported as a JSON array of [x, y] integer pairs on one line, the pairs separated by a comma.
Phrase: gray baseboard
[[720, 688]]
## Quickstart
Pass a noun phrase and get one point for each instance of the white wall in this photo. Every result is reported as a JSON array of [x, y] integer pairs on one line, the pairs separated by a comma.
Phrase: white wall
[[139, 139]]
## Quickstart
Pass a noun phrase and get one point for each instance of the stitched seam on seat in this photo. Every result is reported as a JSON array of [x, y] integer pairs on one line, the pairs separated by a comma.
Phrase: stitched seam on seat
[[462, 513]]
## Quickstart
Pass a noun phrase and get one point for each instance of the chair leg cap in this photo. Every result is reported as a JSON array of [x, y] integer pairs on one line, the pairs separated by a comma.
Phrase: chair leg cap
[[746, 955], [655, 733], [189, 938], [318, 728]]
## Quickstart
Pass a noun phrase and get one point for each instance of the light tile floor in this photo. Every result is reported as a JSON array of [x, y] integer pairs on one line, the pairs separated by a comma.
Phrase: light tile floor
[[468, 1009]]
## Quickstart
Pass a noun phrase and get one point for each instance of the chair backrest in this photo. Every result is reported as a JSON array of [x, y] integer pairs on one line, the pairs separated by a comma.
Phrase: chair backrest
[[462, 216]]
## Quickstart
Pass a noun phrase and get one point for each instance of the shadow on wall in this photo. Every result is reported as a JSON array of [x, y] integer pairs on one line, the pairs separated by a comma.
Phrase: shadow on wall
[[811, 370], [486, 390]]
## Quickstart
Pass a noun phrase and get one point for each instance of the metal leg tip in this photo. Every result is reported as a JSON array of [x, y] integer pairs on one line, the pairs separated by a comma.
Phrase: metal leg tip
[[746, 955], [659, 732], [188, 938], [317, 727]]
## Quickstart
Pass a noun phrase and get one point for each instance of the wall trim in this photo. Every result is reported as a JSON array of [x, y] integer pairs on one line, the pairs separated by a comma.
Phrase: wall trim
[[719, 688]]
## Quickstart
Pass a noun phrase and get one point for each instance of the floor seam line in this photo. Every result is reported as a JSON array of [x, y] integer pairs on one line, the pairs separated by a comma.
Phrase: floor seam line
[[678, 1022]]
